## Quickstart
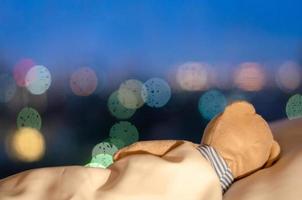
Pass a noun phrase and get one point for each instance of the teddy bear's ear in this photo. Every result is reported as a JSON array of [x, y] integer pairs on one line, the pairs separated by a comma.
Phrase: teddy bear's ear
[[240, 107], [274, 155]]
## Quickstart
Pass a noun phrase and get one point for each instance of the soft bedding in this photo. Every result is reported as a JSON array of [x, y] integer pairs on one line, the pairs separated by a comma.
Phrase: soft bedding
[[175, 171], [282, 181]]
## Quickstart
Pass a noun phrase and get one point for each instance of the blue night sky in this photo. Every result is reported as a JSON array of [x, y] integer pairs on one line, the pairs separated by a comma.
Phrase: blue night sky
[[158, 31]]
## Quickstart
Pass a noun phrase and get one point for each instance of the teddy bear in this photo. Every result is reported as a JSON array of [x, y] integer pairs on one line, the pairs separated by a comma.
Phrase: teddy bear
[[236, 142]]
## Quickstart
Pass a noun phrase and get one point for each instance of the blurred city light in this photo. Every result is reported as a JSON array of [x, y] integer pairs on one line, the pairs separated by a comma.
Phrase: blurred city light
[[156, 92], [117, 109], [116, 142], [211, 103], [21, 69], [26, 145], [83, 81], [29, 117], [129, 94], [294, 107], [101, 161], [124, 131], [94, 165], [38, 80], [193, 76], [250, 76], [104, 148], [288, 76]]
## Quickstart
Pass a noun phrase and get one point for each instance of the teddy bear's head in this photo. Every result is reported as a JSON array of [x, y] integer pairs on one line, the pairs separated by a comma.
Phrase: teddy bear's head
[[243, 138]]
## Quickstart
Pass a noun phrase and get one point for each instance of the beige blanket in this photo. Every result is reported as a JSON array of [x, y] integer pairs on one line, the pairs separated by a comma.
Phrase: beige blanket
[[181, 173], [173, 172]]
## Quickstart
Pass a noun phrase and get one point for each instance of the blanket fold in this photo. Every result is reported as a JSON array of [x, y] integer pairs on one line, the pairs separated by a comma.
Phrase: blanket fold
[[177, 171]]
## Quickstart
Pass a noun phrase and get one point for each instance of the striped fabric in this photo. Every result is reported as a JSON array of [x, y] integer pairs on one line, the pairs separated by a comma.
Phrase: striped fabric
[[222, 170]]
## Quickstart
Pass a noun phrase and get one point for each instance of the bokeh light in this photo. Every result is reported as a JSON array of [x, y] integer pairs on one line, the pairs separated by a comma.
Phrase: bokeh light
[[156, 92], [117, 109], [101, 161], [38, 80], [288, 76], [116, 142], [83, 81], [7, 88], [124, 131], [21, 69], [250, 76], [294, 107], [27, 145], [29, 117], [129, 94], [192, 76], [94, 165], [211, 103], [104, 148]]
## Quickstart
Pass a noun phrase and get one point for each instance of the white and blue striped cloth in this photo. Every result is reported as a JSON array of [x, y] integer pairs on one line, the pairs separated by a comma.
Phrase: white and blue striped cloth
[[222, 170]]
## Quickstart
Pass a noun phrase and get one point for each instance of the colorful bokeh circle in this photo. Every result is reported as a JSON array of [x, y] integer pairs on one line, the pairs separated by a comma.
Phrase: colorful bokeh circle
[[211, 104], [250, 76], [116, 142], [21, 69], [156, 92], [124, 131], [83, 81], [117, 109], [29, 117], [38, 80], [101, 160], [94, 165], [294, 107], [27, 145], [129, 94], [104, 148], [288, 76], [192, 76]]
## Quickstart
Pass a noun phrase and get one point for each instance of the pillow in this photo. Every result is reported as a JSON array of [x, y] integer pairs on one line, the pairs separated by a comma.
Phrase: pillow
[[284, 179]]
